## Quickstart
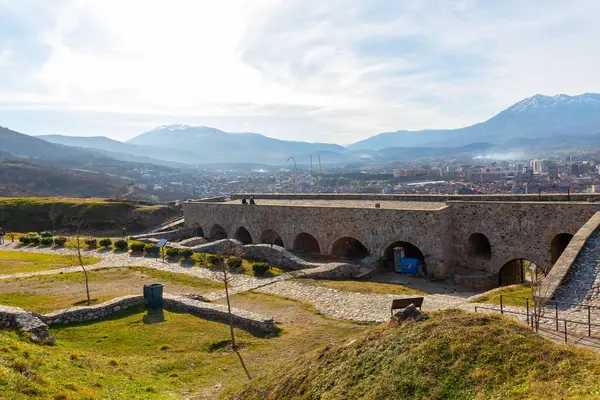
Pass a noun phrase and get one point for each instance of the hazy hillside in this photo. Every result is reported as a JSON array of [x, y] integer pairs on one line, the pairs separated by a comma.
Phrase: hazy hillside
[[535, 117], [213, 145]]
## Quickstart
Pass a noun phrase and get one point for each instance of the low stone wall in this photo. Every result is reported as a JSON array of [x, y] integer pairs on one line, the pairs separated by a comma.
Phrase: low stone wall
[[278, 256], [558, 274], [223, 246], [477, 281], [90, 313], [327, 271], [172, 236], [14, 317], [193, 241], [246, 320]]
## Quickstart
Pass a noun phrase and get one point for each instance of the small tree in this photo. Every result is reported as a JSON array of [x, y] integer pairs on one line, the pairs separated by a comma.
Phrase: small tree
[[223, 272], [77, 241], [539, 296], [54, 213]]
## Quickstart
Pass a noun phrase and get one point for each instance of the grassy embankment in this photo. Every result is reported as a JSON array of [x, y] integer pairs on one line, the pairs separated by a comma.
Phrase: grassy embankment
[[53, 292], [453, 355], [521, 292], [138, 355]]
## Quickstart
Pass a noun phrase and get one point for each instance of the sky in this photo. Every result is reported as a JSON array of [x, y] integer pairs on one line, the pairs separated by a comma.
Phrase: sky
[[326, 71]]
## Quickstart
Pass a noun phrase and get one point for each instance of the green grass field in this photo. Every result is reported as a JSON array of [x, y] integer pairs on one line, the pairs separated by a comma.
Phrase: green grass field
[[12, 262], [53, 292], [141, 355], [521, 292]]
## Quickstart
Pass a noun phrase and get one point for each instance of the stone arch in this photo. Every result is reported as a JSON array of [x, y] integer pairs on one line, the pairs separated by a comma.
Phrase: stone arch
[[307, 243], [198, 231], [217, 232], [269, 236], [243, 235], [410, 251], [558, 245], [349, 247], [479, 246], [514, 272]]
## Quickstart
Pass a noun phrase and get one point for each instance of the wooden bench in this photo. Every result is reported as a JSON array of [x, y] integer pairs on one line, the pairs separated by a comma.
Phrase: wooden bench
[[362, 272], [398, 304]]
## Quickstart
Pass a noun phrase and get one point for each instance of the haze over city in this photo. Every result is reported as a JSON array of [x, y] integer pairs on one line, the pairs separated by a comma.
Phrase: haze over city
[[296, 70]]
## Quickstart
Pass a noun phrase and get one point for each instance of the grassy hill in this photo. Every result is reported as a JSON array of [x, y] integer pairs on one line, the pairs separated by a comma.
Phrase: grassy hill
[[452, 355]]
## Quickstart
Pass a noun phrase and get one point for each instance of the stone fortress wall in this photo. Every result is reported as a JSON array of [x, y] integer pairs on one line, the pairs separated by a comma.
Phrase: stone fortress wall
[[448, 230]]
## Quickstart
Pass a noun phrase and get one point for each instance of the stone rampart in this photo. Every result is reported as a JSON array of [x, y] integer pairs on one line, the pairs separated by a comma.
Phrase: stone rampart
[[552, 283], [224, 247], [172, 236]]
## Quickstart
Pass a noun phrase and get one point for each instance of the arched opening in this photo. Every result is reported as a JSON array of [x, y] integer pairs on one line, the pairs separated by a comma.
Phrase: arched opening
[[243, 235], [198, 231], [269, 236], [558, 245], [410, 251], [518, 271], [217, 232], [479, 246], [348, 247], [306, 243]]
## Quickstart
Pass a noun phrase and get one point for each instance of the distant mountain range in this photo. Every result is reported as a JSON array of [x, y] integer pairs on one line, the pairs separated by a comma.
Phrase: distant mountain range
[[535, 117], [536, 122]]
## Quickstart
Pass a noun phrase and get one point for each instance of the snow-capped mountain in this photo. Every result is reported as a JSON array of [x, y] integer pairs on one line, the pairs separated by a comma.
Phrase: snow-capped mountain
[[535, 117]]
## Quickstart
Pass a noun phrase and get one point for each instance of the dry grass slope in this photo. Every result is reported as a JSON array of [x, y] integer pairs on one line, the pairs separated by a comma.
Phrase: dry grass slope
[[453, 355]]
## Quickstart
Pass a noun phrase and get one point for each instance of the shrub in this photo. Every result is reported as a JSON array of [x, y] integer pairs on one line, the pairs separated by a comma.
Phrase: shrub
[[60, 241], [260, 268], [186, 253], [92, 243], [151, 248], [214, 260], [106, 242], [25, 239], [121, 244], [35, 239], [173, 252], [234, 263], [46, 234], [137, 247], [46, 241]]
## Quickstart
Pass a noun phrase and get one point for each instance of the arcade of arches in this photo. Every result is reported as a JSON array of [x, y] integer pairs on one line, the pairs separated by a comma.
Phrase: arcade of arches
[[306, 243], [217, 232], [269, 236], [243, 235], [348, 247]]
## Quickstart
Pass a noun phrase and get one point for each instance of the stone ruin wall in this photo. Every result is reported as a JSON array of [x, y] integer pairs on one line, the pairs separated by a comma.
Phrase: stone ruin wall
[[514, 229]]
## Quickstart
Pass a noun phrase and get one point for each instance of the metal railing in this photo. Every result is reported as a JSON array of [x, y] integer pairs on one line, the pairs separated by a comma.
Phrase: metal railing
[[536, 312]]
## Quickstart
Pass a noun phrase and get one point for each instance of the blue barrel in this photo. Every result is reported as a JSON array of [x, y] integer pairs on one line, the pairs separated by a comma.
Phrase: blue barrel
[[153, 295]]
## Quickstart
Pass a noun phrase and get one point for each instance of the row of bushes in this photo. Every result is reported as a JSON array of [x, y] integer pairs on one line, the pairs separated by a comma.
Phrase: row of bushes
[[43, 239], [235, 264]]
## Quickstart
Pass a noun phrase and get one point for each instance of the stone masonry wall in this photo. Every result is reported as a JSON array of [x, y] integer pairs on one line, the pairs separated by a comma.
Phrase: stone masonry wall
[[514, 229], [375, 228], [94, 312]]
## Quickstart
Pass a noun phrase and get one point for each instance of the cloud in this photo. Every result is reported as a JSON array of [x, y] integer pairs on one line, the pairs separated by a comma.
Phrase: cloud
[[306, 70]]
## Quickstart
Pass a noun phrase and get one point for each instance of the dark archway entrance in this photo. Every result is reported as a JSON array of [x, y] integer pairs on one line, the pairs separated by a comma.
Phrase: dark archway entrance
[[307, 243], [243, 235], [479, 246], [348, 247], [519, 271], [410, 251], [558, 245], [269, 236], [198, 231], [217, 232]]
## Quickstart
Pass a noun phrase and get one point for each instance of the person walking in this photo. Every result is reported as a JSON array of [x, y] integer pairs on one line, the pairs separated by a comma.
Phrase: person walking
[[2, 233]]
